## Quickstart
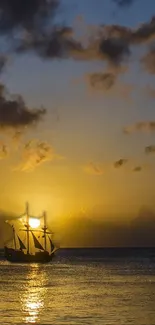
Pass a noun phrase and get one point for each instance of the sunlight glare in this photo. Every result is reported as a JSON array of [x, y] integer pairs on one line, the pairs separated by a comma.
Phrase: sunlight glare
[[34, 223]]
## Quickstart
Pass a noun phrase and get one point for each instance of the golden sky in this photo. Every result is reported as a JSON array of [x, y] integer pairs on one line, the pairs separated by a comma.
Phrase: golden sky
[[78, 140]]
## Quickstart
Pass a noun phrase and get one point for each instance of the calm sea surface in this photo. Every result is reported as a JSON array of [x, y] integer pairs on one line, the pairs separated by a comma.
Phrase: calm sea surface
[[82, 287]]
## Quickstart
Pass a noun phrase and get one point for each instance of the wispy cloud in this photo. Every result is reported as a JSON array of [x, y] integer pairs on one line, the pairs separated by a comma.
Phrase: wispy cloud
[[36, 153], [101, 80], [4, 151], [94, 169], [143, 126], [16, 138], [137, 169], [150, 149], [130, 165], [107, 84]]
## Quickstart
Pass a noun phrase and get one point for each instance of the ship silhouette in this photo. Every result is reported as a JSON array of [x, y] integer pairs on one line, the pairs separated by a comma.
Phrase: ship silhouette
[[30, 245]]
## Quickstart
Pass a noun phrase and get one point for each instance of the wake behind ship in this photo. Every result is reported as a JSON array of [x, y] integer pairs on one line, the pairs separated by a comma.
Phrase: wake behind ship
[[31, 243]]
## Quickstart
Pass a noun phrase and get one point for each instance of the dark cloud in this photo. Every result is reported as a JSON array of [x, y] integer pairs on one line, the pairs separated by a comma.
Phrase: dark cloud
[[15, 114], [116, 32], [114, 50], [150, 149], [31, 26], [124, 3], [113, 42], [140, 35], [119, 163], [3, 62], [144, 33], [102, 80], [56, 43], [143, 126], [30, 15]]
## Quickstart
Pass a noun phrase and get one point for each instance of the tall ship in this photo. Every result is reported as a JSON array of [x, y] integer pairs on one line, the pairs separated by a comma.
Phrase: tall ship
[[31, 242]]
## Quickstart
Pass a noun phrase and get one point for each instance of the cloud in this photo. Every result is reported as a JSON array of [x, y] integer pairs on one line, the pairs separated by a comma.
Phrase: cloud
[[137, 169], [149, 61], [3, 62], [120, 163], [15, 114], [55, 43], [123, 3], [108, 85], [29, 15], [112, 43], [143, 34], [94, 169], [114, 50], [143, 126], [16, 138], [100, 169], [4, 152], [31, 25], [150, 149], [34, 154], [102, 80]]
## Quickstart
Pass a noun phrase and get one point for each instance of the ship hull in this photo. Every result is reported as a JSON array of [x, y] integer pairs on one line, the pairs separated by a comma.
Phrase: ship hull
[[16, 256]]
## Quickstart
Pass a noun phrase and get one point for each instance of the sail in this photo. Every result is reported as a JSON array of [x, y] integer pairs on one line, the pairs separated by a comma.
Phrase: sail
[[51, 244], [22, 246], [36, 242], [27, 238]]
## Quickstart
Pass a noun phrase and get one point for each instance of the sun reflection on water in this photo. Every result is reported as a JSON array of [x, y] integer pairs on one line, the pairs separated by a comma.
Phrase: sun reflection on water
[[33, 295]]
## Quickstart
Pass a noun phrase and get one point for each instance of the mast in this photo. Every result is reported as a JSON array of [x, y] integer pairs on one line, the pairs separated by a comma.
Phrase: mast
[[44, 229], [27, 226], [14, 237]]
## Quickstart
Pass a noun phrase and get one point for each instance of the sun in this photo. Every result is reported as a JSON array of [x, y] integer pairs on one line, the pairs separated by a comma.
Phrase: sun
[[34, 222]]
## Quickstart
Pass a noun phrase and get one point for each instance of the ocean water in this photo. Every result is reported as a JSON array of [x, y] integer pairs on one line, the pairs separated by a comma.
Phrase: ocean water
[[81, 286]]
